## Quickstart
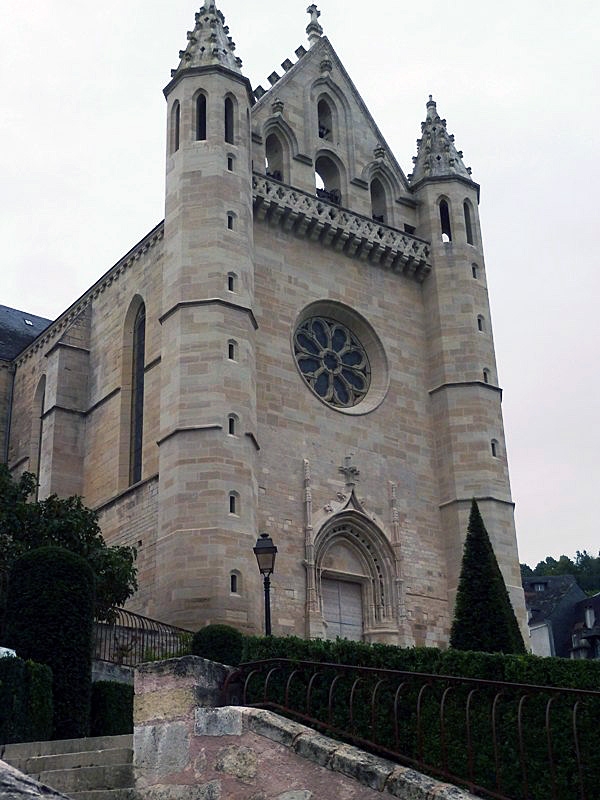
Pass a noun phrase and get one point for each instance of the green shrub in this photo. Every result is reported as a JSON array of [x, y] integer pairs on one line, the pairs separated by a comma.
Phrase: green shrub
[[112, 708], [50, 608], [25, 700], [220, 643]]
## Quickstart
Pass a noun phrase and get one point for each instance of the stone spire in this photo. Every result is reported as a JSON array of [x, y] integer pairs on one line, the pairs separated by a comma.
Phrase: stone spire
[[313, 30], [436, 154], [209, 44]]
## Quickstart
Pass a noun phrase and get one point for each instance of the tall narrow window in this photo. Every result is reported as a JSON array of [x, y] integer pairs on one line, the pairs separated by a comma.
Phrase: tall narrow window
[[468, 226], [494, 448], [234, 503], [480, 323], [232, 350], [327, 176], [445, 221], [137, 396], [274, 157], [475, 271], [378, 201], [486, 376], [175, 125], [325, 121], [233, 583], [229, 126], [35, 462], [232, 425], [201, 117]]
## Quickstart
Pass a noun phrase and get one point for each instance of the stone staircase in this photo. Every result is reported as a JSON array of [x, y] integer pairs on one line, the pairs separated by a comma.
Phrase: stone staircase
[[97, 768]]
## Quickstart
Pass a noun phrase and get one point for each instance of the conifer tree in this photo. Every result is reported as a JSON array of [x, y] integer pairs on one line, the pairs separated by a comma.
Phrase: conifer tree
[[484, 618]]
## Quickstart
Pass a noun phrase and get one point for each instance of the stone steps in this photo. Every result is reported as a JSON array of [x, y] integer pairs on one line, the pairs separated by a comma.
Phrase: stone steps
[[97, 768]]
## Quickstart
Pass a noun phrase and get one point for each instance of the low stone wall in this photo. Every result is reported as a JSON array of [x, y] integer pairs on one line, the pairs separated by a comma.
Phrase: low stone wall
[[185, 746]]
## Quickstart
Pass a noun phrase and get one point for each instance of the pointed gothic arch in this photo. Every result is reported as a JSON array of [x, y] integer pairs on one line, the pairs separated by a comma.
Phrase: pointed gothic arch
[[352, 549], [285, 136], [332, 172], [325, 89]]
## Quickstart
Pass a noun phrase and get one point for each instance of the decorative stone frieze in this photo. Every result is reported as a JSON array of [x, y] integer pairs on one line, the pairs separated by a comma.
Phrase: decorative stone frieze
[[342, 230]]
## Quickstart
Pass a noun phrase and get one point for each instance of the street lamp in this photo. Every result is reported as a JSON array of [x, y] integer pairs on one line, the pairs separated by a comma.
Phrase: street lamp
[[265, 552]]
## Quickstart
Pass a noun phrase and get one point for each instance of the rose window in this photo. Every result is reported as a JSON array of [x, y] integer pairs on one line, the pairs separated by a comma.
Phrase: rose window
[[332, 361]]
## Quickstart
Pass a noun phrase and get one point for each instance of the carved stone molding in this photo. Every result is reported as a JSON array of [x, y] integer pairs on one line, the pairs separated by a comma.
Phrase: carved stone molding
[[356, 236]]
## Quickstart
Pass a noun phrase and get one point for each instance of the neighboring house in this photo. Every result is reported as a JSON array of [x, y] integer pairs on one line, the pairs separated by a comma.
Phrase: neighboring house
[[586, 631], [560, 623], [303, 347]]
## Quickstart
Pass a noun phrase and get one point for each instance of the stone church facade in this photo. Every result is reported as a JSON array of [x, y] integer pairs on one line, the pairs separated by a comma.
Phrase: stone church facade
[[302, 347]]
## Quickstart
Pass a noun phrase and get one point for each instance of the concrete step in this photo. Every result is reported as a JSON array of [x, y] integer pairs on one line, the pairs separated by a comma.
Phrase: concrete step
[[117, 776], [61, 746], [62, 761]]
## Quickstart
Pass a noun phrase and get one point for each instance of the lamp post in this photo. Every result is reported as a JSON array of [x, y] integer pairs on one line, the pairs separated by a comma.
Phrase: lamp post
[[265, 552]]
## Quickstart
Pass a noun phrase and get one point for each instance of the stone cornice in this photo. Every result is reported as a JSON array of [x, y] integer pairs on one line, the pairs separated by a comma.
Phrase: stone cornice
[[458, 384], [478, 499], [49, 335], [344, 231], [209, 301]]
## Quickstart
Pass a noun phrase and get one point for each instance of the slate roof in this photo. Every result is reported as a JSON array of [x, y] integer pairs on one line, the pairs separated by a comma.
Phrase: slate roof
[[542, 605], [17, 330]]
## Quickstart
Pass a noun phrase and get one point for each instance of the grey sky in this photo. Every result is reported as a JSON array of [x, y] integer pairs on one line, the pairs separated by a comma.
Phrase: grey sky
[[82, 165]]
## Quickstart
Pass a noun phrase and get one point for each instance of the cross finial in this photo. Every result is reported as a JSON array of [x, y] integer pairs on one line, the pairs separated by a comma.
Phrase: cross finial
[[350, 472], [313, 30]]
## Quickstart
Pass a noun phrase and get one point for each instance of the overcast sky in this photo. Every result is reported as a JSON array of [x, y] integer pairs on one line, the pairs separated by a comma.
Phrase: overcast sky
[[82, 164]]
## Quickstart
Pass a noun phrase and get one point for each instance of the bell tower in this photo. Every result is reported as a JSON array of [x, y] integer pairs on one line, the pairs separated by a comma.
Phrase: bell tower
[[207, 444], [464, 391]]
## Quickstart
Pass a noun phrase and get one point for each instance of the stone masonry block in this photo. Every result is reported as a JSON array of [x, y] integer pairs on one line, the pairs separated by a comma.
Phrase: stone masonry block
[[369, 770], [160, 750], [274, 727], [218, 721]]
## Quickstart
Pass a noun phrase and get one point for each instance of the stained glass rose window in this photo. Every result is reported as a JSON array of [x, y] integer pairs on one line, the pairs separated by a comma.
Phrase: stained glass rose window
[[332, 361]]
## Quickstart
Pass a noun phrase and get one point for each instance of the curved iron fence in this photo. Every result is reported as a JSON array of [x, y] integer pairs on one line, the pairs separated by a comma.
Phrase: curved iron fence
[[506, 741], [132, 639]]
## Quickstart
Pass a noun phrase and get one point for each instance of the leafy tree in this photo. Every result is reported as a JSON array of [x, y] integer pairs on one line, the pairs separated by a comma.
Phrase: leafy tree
[[585, 568], [484, 618], [63, 522]]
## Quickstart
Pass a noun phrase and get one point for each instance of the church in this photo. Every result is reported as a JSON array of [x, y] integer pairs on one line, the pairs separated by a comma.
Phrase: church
[[302, 348]]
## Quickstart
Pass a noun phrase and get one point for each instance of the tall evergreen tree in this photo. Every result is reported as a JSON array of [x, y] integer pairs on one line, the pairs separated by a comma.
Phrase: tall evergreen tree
[[483, 618]]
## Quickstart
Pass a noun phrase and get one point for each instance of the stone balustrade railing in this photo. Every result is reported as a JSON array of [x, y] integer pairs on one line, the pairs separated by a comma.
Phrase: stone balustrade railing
[[353, 234]]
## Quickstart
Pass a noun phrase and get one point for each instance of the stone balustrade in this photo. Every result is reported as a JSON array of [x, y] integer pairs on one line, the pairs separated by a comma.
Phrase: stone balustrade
[[315, 218]]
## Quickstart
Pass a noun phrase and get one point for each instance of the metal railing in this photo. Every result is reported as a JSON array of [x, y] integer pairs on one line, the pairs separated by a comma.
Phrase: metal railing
[[132, 639], [504, 740]]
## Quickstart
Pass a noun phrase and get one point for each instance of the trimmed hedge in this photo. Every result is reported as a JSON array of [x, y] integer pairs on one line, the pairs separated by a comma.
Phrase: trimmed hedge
[[50, 614], [25, 700], [112, 708], [220, 643], [524, 669]]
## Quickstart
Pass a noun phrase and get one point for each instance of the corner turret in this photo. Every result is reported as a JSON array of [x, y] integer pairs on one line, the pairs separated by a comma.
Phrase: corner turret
[[208, 394]]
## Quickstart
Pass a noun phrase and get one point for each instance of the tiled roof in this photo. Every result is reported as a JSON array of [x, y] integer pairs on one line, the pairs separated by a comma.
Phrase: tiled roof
[[17, 330]]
